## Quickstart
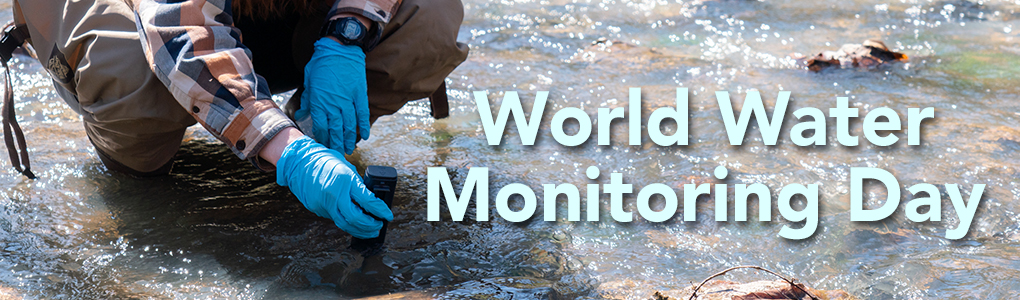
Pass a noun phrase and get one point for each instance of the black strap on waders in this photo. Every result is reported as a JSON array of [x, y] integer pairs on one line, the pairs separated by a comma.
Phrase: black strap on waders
[[439, 102], [13, 37]]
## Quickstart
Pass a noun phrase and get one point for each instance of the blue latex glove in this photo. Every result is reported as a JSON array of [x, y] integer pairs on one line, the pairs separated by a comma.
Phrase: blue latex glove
[[335, 100], [328, 186]]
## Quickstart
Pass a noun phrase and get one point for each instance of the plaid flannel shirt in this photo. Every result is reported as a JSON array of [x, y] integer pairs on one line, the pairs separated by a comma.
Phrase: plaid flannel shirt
[[193, 48]]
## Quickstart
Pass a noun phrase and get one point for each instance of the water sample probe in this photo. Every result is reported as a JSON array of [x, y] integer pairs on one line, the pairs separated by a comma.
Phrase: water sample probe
[[382, 181]]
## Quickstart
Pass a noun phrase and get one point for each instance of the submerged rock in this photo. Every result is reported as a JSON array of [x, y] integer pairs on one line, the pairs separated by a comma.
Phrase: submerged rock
[[489, 288], [1001, 138], [7, 293], [867, 55], [624, 57]]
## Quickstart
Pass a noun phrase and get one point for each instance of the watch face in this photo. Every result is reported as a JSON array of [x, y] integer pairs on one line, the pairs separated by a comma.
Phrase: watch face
[[351, 29]]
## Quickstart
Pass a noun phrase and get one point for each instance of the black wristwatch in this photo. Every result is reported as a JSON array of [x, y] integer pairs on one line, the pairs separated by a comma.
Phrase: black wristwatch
[[348, 30]]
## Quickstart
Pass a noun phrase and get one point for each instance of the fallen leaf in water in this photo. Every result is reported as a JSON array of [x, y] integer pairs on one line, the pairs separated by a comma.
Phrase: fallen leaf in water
[[867, 55]]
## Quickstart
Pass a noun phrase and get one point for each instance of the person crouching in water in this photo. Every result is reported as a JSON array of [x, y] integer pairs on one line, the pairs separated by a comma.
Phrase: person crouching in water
[[141, 71]]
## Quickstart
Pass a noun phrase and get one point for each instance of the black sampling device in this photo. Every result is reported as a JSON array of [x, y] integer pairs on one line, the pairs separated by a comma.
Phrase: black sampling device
[[382, 181]]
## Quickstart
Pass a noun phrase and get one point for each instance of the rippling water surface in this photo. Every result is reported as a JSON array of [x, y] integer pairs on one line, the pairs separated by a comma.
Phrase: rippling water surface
[[218, 228]]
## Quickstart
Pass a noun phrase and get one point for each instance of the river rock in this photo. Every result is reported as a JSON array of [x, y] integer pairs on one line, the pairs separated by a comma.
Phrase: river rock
[[7, 293], [489, 288], [729, 290]]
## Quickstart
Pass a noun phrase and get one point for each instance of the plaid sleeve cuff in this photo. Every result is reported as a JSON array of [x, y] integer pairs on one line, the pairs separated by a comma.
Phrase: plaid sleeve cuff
[[253, 128]]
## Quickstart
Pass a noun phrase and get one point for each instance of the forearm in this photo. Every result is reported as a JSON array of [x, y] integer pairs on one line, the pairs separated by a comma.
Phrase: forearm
[[272, 151]]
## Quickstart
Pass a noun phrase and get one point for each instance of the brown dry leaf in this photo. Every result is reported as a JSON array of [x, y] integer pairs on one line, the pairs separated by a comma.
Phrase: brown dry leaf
[[867, 55]]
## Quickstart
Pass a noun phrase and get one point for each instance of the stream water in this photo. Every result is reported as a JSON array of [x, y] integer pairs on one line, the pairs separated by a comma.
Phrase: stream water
[[218, 228]]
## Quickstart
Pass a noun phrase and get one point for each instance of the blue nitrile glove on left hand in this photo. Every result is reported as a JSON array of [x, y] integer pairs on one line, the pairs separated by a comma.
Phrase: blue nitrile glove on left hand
[[335, 99], [328, 186]]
